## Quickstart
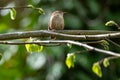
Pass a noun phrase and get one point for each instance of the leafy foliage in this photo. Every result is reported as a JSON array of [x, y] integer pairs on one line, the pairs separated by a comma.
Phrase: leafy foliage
[[41, 11], [12, 13], [97, 69], [106, 62], [110, 23], [69, 45], [105, 44], [33, 48], [82, 15], [31, 6], [70, 60]]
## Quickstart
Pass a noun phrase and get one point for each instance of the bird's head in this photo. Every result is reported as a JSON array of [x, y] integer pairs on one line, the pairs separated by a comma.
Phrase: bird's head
[[59, 12]]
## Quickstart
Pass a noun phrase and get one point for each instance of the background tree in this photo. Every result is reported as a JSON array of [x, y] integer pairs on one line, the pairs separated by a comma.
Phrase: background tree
[[17, 63]]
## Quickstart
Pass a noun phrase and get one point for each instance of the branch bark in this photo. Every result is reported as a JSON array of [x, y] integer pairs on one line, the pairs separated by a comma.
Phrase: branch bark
[[63, 34], [18, 7], [90, 48]]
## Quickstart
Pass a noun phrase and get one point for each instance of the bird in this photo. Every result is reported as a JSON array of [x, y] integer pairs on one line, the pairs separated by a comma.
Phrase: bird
[[56, 22]]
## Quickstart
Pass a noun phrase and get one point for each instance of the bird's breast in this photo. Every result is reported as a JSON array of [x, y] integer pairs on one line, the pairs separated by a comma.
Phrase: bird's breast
[[57, 22]]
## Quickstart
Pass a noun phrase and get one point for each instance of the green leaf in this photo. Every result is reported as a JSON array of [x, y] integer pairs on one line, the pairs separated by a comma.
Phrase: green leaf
[[70, 60], [41, 11], [105, 44], [69, 45], [33, 47], [31, 6], [12, 13], [106, 62], [97, 69], [110, 23]]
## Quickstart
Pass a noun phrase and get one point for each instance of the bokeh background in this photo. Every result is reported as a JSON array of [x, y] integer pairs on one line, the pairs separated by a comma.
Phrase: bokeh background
[[18, 64]]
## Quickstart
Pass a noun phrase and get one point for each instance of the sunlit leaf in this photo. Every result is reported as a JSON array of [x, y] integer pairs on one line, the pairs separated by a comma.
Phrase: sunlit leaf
[[70, 60], [12, 13], [110, 23], [69, 45], [106, 62], [97, 69], [31, 6], [33, 47], [40, 10]]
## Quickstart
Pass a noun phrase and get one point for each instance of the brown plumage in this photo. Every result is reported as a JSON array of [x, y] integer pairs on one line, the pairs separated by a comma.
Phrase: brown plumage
[[56, 22]]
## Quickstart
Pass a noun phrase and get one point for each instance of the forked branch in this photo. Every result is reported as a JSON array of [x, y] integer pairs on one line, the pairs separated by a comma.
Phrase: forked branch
[[90, 48], [62, 34]]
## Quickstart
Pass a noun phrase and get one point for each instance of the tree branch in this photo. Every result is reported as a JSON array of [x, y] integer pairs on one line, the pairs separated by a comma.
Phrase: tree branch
[[113, 43], [81, 35], [109, 58], [18, 7], [90, 48]]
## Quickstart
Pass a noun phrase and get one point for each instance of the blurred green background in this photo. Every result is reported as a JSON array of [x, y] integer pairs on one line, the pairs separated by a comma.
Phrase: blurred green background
[[18, 64]]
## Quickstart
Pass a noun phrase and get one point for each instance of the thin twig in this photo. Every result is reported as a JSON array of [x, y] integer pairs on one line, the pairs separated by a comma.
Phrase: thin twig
[[113, 42], [18, 7], [51, 44], [92, 42], [90, 48], [109, 58], [82, 51]]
